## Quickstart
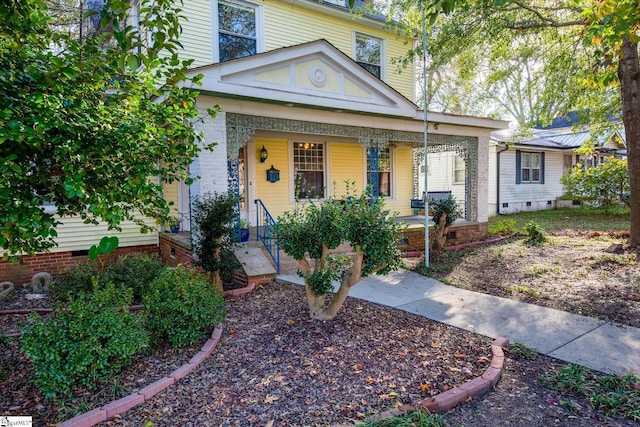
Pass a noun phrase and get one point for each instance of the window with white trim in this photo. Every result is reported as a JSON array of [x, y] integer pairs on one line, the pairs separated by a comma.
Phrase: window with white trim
[[369, 53], [459, 168], [238, 28], [308, 169], [383, 172], [529, 167]]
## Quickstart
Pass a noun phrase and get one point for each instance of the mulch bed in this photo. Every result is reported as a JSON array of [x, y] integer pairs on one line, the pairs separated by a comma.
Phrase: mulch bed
[[273, 363]]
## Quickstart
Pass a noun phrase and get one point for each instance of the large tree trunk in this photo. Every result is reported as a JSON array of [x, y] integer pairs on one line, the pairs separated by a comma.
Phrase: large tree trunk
[[629, 76]]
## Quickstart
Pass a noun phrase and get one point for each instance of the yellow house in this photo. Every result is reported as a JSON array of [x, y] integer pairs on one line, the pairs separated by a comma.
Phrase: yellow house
[[307, 89], [310, 91]]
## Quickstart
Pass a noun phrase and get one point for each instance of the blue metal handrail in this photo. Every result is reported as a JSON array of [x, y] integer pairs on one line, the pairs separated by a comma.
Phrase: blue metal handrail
[[266, 232]]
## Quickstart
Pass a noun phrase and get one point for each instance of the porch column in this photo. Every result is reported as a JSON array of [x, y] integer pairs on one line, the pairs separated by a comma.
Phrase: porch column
[[482, 180], [210, 165]]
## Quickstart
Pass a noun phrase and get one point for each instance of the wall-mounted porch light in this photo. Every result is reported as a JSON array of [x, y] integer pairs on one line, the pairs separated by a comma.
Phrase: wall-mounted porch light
[[263, 154]]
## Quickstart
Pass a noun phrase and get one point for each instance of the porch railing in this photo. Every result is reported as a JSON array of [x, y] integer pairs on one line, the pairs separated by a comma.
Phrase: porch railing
[[266, 232]]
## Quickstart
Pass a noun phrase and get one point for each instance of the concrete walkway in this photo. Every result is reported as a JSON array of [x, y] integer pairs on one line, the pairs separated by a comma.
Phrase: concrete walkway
[[595, 344]]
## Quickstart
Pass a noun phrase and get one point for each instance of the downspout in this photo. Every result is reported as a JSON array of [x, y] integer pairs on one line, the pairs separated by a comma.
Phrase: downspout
[[498, 178]]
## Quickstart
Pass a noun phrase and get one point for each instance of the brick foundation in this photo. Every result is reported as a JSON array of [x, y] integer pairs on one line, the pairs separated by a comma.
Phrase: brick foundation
[[56, 263], [459, 233], [175, 248]]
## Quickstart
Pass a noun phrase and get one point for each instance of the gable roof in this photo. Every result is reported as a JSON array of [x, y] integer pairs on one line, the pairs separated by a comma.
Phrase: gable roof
[[312, 75]]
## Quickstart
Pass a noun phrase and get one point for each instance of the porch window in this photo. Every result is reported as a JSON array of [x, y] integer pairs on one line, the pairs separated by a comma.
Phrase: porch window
[[458, 170], [529, 168], [238, 30], [308, 167], [379, 177], [368, 53]]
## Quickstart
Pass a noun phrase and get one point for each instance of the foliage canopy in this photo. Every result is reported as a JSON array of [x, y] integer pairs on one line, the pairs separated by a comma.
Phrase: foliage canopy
[[85, 123]]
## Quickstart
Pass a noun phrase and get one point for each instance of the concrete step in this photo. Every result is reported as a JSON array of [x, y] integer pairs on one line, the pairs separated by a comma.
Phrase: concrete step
[[256, 265]]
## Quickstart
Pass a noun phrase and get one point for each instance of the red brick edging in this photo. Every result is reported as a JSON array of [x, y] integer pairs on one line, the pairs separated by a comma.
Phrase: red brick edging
[[439, 403], [459, 394], [120, 406], [239, 291]]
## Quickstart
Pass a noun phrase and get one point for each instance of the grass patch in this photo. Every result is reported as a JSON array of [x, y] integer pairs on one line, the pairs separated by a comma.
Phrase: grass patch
[[624, 259], [418, 418], [615, 396], [442, 264], [541, 269], [521, 350], [523, 290], [567, 219]]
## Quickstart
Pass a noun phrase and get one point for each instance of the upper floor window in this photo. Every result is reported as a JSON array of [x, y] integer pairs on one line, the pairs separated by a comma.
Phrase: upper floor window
[[379, 171], [308, 169], [529, 167], [369, 53], [238, 30]]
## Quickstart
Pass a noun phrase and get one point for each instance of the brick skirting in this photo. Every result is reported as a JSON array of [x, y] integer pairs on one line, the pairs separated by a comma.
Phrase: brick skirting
[[55, 263], [458, 233]]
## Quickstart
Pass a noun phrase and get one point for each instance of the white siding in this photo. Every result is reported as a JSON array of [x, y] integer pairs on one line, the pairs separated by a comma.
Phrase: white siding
[[441, 176], [538, 195]]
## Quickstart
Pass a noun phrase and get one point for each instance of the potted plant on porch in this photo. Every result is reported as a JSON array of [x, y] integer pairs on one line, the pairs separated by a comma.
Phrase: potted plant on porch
[[173, 224], [244, 230]]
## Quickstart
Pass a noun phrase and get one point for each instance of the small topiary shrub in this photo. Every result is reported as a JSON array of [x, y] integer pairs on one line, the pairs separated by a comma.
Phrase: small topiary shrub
[[535, 234], [447, 206], [214, 224], [134, 271], [181, 307], [86, 343]]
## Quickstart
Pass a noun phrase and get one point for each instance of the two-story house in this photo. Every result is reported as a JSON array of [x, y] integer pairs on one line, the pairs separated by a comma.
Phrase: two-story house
[[310, 96]]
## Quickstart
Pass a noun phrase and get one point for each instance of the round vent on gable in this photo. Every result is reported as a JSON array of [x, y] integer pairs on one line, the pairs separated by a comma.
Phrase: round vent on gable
[[317, 76]]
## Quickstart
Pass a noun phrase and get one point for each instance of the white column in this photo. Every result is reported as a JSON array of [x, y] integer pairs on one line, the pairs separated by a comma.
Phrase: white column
[[483, 179], [211, 166]]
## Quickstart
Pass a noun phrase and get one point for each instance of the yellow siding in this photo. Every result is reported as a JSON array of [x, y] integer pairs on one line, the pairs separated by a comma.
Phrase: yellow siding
[[75, 235], [288, 25], [170, 194], [275, 195], [197, 32], [404, 182], [346, 163]]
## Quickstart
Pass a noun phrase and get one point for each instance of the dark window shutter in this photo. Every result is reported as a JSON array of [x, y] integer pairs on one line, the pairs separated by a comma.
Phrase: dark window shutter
[[518, 166], [542, 168]]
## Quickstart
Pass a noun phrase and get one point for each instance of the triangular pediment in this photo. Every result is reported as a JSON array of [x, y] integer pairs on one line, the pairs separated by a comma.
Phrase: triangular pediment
[[312, 75]]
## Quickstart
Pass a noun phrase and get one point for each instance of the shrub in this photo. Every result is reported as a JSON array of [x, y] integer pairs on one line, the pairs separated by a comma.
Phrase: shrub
[[74, 282], [134, 271], [88, 342], [505, 227], [214, 224], [448, 206], [607, 183], [181, 307], [535, 234]]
